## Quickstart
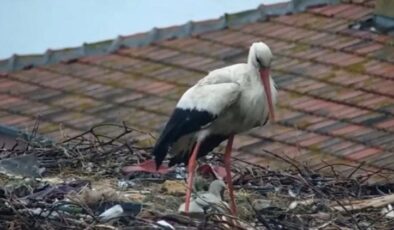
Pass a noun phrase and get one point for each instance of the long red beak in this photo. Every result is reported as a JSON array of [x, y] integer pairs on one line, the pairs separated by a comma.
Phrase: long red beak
[[265, 78]]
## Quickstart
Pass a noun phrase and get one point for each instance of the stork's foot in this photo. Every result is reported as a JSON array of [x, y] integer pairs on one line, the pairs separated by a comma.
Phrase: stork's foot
[[146, 166]]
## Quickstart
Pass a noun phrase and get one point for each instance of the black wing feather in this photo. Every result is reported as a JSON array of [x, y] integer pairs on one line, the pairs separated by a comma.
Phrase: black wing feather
[[209, 143], [182, 122]]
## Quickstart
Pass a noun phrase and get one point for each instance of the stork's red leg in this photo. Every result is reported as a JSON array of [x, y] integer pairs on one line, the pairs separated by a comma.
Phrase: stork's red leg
[[190, 177], [227, 166]]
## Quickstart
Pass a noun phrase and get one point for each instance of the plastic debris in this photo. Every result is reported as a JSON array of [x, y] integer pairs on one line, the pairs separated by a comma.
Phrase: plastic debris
[[165, 225], [114, 212], [118, 210], [388, 211], [22, 166]]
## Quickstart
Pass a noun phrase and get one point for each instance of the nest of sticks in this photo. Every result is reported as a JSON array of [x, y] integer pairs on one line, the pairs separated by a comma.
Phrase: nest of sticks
[[68, 184]]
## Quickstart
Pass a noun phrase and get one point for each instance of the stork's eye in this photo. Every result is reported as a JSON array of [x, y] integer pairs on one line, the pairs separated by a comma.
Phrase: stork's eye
[[258, 61]]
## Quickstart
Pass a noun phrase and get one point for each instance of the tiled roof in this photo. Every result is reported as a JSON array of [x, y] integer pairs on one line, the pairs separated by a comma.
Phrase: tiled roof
[[336, 87]]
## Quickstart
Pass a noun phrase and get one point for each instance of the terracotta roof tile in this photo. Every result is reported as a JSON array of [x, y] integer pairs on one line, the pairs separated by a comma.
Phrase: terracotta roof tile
[[360, 154], [387, 124], [14, 120], [78, 69], [312, 141], [330, 10]]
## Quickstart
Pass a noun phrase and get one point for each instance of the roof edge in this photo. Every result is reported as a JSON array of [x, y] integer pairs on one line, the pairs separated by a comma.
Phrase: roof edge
[[19, 62], [14, 133]]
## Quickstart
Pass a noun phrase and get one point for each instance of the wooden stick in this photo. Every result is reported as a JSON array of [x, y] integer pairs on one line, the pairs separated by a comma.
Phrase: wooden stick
[[375, 202]]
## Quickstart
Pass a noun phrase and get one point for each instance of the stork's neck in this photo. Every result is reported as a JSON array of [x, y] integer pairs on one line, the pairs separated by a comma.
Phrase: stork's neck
[[253, 67], [252, 76]]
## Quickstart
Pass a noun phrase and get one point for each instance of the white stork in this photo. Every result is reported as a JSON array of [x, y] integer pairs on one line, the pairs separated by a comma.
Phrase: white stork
[[227, 101]]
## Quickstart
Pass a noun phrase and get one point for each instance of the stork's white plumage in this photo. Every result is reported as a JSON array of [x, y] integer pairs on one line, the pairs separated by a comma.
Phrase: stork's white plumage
[[227, 101]]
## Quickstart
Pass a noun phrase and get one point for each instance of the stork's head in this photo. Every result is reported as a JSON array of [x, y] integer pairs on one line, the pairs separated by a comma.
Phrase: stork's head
[[260, 57]]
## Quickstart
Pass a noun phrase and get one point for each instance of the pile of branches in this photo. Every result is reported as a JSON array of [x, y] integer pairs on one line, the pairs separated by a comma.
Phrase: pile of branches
[[295, 198], [301, 198], [101, 150]]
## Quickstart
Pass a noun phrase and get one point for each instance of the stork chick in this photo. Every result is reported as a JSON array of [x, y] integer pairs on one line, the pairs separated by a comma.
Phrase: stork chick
[[212, 199]]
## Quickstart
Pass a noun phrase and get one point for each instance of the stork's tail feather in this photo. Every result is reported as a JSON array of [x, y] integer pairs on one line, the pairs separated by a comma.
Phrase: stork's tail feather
[[207, 146]]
